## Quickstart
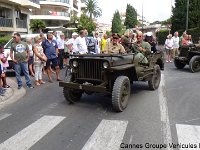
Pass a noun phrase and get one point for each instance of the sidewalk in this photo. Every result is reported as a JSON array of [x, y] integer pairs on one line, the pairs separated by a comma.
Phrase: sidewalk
[[12, 94]]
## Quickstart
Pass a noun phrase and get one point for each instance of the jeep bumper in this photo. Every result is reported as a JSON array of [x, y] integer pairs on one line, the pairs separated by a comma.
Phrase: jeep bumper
[[83, 87]]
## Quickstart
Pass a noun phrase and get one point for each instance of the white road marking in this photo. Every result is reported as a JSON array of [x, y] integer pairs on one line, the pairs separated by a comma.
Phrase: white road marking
[[107, 136], [27, 137], [188, 135], [166, 130], [3, 116]]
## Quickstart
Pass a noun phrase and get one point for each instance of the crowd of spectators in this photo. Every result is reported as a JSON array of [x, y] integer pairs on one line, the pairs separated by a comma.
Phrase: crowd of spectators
[[50, 53]]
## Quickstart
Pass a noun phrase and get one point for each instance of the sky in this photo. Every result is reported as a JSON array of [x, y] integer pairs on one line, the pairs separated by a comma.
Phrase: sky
[[153, 10]]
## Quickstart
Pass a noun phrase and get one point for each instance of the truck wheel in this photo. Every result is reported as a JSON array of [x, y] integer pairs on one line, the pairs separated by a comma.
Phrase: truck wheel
[[70, 95], [179, 64], [121, 93], [194, 64], [155, 80]]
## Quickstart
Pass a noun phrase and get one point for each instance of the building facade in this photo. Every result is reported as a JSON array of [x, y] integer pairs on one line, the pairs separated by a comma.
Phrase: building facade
[[57, 12], [14, 15]]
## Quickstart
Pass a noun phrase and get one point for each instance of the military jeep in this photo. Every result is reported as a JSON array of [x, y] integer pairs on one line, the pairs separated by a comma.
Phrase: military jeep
[[189, 55], [108, 73]]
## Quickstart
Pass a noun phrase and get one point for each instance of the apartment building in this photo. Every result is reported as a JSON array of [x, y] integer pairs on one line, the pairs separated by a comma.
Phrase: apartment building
[[57, 12], [14, 15]]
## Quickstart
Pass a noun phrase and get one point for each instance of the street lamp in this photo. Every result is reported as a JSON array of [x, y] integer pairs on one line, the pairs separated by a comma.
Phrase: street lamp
[[188, 2]]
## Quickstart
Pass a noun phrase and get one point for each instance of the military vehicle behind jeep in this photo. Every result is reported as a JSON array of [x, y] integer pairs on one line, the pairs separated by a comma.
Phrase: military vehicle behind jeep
[[189, 55], [109, 73]]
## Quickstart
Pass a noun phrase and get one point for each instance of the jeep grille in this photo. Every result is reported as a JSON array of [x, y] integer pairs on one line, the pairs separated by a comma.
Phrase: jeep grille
[[89, 69]]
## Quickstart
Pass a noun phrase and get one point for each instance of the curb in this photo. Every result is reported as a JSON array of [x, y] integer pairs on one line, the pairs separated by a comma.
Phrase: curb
[[12, 94]]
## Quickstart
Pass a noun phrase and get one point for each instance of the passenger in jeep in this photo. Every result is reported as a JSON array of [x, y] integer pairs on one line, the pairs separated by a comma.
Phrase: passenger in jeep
[[141, 48], [114, 47]]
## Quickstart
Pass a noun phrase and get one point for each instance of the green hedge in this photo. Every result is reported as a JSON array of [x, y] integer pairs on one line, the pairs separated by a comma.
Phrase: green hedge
[[161, 36], [5, 39]]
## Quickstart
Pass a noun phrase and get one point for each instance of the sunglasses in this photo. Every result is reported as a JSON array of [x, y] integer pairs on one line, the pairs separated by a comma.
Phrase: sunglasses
[[139, 36]]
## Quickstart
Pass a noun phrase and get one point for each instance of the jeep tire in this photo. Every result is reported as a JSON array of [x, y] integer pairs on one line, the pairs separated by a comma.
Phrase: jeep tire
[[194, 64], [155, 80], [71, 95], [121, 93], [179, 64]]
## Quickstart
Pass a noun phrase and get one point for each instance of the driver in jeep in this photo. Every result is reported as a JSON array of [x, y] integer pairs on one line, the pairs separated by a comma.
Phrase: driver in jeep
[[114, 47], [141, 48]]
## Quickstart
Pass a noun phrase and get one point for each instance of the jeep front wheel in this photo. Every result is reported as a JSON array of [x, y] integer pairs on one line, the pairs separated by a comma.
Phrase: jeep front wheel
[[121, 93], [179, 64], [155, 80], [194, 64], [71, 96]]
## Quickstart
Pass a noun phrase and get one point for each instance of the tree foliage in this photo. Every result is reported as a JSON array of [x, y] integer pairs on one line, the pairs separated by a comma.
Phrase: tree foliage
[[116, 23], [180, 14], [131, 17], [37, 25], [86, 23], [93, 9]]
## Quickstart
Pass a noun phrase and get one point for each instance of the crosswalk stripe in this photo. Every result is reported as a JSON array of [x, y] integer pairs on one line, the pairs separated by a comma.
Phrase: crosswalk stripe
[[108, 135], [3, 116], [27, 137], [188, 135]]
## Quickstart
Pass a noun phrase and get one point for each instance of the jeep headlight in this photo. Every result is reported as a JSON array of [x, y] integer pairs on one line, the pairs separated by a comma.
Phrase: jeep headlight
[[105, 65], [75, 63]]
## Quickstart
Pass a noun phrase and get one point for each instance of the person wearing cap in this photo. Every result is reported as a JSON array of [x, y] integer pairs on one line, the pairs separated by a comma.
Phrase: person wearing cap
[[114, 47], [51, 51], [71, 44], [126, 42], [61, 42], [19, 54], [38, 60], [169, 47], [141, 48], [151, 40]]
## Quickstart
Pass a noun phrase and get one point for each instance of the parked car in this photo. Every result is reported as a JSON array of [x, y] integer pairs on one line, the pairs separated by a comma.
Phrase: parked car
[[189, 55], [7, 47], [108, 73]]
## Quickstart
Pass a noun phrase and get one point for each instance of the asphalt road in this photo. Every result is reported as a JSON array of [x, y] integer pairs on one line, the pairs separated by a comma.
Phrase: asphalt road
[[43, 120]]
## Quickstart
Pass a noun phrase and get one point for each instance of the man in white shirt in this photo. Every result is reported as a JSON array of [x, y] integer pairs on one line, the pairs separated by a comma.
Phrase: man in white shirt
[[175, 45], [71, 44], [60, 42], [81, 43]]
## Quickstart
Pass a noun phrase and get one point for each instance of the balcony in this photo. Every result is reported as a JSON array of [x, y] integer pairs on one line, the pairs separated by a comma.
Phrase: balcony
[[64, 3], [21, 23], [51, 15], [31, 4], [5, 22]]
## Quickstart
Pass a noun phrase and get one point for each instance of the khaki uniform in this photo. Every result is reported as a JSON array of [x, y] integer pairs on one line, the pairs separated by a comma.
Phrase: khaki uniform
[[140, 56], [114, 49]]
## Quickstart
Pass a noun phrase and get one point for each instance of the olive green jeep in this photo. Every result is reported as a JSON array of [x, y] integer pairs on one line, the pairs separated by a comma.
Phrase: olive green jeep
[[109, 73], [189, 55]]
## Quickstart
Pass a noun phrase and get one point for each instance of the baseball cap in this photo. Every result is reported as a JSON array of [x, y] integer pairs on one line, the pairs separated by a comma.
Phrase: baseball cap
[[74, 34]]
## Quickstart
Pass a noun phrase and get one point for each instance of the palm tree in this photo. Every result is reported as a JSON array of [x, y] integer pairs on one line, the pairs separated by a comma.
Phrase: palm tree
[[37, 25], [92, 8]]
